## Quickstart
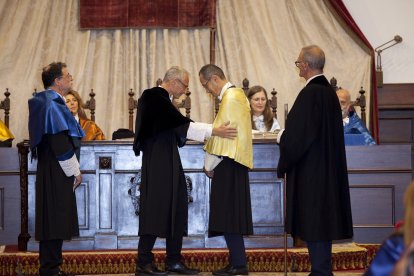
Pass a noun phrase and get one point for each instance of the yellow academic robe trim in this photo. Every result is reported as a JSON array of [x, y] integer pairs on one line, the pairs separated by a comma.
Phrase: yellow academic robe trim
[[5, 133], [235, 108]]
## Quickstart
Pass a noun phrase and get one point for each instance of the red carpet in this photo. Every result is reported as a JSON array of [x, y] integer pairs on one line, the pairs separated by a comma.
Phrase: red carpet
[[345, 257]]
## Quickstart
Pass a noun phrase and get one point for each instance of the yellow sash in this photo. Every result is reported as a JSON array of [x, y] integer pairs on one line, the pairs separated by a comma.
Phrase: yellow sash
[[5, 133], [235, 108]]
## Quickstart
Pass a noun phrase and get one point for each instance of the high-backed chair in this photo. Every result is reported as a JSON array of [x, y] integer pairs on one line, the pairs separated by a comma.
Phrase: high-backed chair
[[91, 105], [5, 104]]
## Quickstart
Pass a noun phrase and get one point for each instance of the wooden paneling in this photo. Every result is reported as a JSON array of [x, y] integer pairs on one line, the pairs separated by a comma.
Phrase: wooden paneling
[[396, 114], [9, 196], [396, 96], [372, 205], [395, 130]]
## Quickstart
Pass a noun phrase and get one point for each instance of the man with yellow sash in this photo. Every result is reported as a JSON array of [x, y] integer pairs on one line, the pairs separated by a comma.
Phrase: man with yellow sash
[[227, 163]]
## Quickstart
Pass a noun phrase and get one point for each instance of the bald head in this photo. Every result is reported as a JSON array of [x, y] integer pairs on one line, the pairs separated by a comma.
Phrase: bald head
[[311, 61], [314, 56], [344, 100]]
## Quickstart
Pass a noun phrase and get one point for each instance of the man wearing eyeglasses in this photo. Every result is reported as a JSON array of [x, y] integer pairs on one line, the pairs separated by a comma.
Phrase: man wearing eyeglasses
[[227, 163], [312, 155], [160, 129], [55, 143]]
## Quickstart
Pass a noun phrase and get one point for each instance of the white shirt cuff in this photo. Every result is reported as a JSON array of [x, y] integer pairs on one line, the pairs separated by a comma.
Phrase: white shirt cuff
[[199, 131], [70, 166]]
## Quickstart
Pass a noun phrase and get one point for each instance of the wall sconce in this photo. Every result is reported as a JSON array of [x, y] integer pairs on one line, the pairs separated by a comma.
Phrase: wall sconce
[[397, 39]]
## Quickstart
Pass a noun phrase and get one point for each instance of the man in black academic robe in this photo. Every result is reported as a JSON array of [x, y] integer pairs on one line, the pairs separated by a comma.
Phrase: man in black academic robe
[[312, 155], [54, 141], [230, 204], [160, 130]]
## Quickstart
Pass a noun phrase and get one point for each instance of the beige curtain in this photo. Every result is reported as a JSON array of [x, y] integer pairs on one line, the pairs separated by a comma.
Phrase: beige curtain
[[261, 39], [257, 39]]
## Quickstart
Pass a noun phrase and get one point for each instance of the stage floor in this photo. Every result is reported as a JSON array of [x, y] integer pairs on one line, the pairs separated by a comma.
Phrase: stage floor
[[255, 274], [347, 259]]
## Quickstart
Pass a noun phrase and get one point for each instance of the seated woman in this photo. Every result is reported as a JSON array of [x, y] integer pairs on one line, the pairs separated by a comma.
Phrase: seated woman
[[262, 116], [6, 137], [92, 131]]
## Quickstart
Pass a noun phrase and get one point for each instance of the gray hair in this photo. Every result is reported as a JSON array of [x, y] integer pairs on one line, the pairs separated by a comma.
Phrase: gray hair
[[175, 72], [314, 56]]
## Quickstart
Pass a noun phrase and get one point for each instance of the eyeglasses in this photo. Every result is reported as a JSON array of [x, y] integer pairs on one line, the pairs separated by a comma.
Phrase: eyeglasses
[[183, 84], [299, 62], [67, 76], [205, 84]]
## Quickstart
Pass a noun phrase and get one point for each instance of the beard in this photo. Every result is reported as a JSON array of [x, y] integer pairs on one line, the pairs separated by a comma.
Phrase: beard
[[344, 113]]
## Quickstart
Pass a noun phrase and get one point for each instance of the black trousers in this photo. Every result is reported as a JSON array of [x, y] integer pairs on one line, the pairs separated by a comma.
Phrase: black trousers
[[146, 244], [50, 257], [174, 243], [320, 253], [237, 251]]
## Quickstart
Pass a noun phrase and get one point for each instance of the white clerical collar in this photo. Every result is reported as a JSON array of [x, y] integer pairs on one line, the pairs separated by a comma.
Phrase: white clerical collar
[[345, 121], [311, 78], [225, 87], [76, 117]]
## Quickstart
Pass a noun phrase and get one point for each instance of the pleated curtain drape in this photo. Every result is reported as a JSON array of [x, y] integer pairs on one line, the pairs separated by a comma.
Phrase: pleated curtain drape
[[257, 39]]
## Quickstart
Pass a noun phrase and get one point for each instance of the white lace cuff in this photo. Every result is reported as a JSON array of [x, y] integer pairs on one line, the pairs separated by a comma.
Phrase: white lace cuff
[[199, 131], [70, 166]]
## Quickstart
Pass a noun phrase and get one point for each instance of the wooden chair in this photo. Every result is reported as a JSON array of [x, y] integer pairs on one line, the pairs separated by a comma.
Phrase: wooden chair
[[5, 104], [133, 104], [91, 105], [359, 101]]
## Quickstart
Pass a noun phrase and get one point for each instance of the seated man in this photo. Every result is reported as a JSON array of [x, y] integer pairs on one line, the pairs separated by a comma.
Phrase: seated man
[[6, 137], [352, 123]]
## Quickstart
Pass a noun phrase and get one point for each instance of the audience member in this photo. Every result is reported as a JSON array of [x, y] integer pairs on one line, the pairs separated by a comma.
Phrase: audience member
[[312, 155], [75, 105], [351, 121], [6, 137], [54, 140], [261, 112], [392, 249], [160, 129], [405, 266], [230, 206]]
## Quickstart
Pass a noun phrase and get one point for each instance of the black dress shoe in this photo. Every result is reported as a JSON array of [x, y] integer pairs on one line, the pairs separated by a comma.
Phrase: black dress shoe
[[230, 270], [148, 269], [180, 268]]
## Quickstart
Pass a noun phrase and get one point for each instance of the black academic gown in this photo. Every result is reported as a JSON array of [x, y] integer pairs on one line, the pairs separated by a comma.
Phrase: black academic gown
[[54, 135], [312, 154], [56, 212], [160, 130]]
